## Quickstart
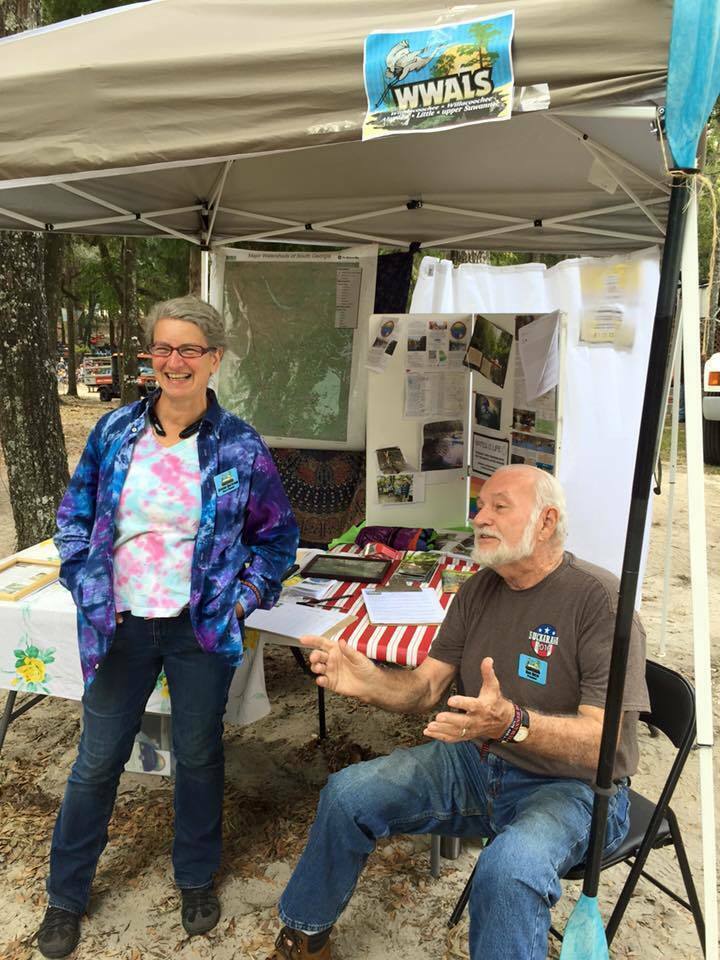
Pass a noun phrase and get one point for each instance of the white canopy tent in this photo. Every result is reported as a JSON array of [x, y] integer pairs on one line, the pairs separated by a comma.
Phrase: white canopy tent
[[232, 121]]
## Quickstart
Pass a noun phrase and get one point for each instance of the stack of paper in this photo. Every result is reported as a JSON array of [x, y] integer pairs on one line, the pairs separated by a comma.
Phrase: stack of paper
[[309, 588], [393, 607]]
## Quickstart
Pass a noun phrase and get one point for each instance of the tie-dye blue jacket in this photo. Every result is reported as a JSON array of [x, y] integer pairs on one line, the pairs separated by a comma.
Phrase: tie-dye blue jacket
[[248, 531]]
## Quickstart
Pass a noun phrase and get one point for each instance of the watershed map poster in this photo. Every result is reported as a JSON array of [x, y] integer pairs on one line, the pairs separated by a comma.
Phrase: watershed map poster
[[439, 77]]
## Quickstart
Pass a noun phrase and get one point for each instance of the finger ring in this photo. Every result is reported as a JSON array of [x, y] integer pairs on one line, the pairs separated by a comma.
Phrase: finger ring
[[463, 731]]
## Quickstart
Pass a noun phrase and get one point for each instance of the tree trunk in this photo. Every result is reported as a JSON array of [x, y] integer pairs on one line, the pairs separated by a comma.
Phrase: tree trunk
[[54, 257], [194, 268], [130, 342], [31, 433], [72, 360], [30, 428]]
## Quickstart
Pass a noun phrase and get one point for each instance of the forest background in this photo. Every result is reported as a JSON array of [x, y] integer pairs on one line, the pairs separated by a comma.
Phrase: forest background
[[61, 296]]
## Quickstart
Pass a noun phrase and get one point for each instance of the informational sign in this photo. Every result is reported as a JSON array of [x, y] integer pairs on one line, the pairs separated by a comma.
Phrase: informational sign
[[439, 77]]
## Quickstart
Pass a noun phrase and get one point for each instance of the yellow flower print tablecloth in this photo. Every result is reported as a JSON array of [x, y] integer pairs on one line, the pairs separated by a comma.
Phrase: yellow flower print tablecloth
[[39, 654]]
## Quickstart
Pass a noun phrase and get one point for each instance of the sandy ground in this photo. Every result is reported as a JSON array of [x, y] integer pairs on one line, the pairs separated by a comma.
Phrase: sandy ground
[[276, 769]]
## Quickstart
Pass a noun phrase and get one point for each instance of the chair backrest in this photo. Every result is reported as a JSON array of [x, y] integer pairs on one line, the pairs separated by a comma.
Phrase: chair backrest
[[672, 704]]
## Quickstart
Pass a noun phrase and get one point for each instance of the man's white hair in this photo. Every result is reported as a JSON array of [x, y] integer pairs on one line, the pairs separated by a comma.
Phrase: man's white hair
[[548, 493]]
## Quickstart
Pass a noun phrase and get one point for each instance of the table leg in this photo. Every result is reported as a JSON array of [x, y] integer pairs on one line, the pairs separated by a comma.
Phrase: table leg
[[302, 663], [9, 715]]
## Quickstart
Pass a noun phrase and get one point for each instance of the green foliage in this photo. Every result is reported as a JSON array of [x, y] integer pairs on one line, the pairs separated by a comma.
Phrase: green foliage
[[55, 11], [706, 210]]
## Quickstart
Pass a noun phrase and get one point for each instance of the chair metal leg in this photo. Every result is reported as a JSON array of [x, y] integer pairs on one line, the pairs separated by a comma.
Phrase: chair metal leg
[[462, 901], [687, 876]]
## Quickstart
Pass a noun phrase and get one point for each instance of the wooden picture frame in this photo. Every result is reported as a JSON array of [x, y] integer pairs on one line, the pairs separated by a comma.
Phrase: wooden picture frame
[[20, 577]]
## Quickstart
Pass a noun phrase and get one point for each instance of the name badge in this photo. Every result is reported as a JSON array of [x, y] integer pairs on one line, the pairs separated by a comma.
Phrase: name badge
[[226, 482], [530, 668]]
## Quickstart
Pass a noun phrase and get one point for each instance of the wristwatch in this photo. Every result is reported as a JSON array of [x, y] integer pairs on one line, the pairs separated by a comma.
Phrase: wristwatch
[[523, 730]]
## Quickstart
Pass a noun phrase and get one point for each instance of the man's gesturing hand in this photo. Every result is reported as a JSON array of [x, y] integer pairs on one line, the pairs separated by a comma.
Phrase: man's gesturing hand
[[340, 668], [488, 715]]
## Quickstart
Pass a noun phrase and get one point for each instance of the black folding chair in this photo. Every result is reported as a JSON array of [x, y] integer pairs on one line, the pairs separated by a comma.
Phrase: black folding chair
[[652, 825]]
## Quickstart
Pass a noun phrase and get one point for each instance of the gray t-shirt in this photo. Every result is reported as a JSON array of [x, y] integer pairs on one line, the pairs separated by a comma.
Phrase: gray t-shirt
[[551, 645]]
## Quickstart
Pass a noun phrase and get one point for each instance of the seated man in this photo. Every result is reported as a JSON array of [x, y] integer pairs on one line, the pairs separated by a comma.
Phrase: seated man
[[529, 640]]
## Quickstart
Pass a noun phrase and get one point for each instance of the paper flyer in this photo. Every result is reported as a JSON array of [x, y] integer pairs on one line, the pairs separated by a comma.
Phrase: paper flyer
[[435, 394], [438, 77], [384, 344], [488, 453], [538, 351], [609, 298]]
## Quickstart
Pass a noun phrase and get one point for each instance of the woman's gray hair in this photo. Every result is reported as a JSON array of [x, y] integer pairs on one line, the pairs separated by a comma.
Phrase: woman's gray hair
[[191, 309]]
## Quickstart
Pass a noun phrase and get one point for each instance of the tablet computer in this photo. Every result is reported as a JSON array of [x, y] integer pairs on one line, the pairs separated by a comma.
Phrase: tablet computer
[[342, 566]]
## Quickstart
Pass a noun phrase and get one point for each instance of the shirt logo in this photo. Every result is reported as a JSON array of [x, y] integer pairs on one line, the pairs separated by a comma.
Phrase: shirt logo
[[543, 639], [226, 482], [529, 668]]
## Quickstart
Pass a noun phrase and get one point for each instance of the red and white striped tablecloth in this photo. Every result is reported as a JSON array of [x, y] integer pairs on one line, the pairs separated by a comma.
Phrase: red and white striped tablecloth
[[406, 645]]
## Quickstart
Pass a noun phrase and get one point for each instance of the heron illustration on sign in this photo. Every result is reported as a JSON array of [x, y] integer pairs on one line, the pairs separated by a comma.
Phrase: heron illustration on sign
[[401, 61]]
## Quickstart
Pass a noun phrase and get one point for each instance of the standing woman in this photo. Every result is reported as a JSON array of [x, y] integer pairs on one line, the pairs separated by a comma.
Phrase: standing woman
[[175, 526]]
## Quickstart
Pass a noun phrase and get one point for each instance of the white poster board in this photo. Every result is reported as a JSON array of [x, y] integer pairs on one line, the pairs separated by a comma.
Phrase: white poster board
[[451, 398]]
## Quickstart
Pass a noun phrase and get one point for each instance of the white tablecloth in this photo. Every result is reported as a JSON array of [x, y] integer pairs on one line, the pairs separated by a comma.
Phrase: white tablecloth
[[39, 654]]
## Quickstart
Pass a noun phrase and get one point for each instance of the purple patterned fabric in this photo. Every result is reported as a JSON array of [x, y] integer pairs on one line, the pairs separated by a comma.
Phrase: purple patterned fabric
[[248, 531]]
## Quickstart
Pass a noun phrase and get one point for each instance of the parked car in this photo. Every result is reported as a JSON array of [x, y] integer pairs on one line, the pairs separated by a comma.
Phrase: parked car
[[711, 409]]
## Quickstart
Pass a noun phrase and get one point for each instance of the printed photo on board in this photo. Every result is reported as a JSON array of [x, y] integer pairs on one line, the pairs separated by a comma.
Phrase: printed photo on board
[[443, 445], [489, 350], [488, 411]]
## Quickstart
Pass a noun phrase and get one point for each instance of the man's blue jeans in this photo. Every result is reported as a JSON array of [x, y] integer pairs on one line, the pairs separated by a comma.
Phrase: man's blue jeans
[[540, 826], [112, 711]]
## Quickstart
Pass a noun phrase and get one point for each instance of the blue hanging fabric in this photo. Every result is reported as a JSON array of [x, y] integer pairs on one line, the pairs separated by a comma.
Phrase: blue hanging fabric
[[693, 77], [584, 936]]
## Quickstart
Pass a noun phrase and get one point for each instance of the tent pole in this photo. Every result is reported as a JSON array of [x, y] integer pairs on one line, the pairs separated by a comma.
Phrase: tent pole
[[644, 462], [698, 570], [674, 419], [204, 275]]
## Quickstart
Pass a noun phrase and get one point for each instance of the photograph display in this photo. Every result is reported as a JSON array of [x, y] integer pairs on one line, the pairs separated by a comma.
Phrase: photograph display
[[488, 411], [443, 445], [400, 488], [18, 578], [489, 350]]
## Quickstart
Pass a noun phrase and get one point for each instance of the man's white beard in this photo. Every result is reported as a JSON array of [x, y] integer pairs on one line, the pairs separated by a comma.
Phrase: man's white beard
[[503, 553]]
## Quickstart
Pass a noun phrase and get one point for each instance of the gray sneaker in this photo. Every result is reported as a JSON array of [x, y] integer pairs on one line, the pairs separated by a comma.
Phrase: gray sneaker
[[200, 910], [59, 933]]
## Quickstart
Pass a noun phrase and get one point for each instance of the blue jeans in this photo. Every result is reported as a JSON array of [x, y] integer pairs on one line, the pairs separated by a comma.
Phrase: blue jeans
[[112, 711], [540, 826]]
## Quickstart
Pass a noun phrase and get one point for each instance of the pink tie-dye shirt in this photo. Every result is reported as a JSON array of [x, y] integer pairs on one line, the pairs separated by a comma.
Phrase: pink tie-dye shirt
[[155, 528]]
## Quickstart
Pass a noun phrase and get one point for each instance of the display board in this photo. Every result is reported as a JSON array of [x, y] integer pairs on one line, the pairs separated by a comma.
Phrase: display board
[[297, 326], [451, 398]]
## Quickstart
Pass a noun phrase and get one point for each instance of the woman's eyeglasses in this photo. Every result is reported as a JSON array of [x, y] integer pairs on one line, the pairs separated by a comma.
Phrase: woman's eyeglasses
[[188, 351]]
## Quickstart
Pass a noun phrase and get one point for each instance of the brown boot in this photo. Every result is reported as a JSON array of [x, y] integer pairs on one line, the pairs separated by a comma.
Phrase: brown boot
[[293, 945]]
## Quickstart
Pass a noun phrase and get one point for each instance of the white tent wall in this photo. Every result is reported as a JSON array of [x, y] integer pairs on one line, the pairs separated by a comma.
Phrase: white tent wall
[[602, 387]]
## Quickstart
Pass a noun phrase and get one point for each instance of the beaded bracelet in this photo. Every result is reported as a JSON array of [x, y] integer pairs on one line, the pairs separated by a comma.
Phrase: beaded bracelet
[[258, 595], [515, 725]]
